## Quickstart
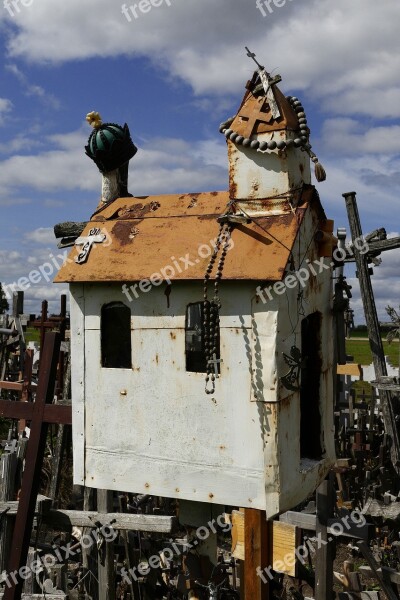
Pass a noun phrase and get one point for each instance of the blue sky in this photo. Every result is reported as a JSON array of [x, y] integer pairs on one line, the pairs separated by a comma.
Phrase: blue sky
[[173, 74]]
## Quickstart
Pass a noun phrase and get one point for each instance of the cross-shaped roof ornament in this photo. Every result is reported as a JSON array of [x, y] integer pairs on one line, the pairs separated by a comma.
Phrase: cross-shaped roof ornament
[[267, 83]]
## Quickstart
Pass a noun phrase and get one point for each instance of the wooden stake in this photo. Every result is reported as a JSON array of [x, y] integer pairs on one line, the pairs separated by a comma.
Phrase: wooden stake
[[325, 542], [256, 555], [106, 552]]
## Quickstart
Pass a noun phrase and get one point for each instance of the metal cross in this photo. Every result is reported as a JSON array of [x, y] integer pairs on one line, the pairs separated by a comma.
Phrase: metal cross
[[253, 56], [266, 83], [95, 237], [215, 361]]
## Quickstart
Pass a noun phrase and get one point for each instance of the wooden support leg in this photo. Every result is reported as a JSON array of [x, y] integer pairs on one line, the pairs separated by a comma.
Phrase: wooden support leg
[[106, 552], [89, 555], [325, 543], [256, 557], [8, 468]]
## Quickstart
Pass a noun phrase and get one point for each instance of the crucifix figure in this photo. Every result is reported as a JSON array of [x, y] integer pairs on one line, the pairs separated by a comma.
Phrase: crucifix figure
[[215, 361], [95, 237]]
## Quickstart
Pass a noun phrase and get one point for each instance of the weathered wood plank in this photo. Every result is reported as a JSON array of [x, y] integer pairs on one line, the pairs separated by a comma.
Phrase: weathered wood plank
[[150, 523], [283, 541], [308, 522], [350, 369]]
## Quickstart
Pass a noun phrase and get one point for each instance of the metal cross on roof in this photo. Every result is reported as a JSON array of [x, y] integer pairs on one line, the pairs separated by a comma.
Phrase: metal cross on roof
[[253, 56], [95, 237]]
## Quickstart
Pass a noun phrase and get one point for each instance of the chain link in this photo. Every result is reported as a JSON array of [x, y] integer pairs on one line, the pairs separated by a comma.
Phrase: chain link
[[211, 309]]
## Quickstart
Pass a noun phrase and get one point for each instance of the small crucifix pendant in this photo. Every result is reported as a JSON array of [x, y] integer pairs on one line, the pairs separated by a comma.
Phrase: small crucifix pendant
[[215, 361], [95, 237]]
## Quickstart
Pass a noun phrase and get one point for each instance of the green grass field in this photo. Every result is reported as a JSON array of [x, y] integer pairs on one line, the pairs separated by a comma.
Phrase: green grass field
[[362, 352], [32, 335]]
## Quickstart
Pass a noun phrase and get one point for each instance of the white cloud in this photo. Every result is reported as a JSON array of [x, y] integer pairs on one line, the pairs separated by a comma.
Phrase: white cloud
[[349, 136], [5, 108], [42, 235], [340, 53], [162, 165], [33, 89]]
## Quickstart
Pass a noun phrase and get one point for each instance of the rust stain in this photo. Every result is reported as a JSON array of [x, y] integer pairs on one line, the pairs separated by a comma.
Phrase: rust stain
[[211, 495], [157, 358], [122, 231], [173, 335], [135, 211]]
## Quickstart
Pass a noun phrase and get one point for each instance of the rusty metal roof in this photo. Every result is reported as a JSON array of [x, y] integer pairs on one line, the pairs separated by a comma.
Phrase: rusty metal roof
[[147, 234]]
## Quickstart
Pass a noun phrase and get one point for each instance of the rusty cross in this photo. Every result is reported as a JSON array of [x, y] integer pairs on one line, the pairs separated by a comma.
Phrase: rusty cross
[[253, 117], [95, 237], [40, 413]]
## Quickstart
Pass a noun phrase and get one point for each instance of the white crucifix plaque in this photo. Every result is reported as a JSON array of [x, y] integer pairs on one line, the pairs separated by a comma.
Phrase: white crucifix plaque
[[95, 237]]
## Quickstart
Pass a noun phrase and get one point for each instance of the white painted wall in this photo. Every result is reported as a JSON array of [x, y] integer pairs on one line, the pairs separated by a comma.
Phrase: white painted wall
[[152, 428]]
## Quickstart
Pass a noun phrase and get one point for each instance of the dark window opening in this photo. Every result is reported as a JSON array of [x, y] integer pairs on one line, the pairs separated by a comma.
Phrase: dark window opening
[[196, 360], [310, 417], [116, 345]]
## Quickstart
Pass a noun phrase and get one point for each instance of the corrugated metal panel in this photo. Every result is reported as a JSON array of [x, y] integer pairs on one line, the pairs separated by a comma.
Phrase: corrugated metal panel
[[142, 241]]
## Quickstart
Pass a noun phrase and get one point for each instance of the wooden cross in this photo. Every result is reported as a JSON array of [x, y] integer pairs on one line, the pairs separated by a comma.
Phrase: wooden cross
[[95, 237], [40, 413], [371, 317], [215, 361]]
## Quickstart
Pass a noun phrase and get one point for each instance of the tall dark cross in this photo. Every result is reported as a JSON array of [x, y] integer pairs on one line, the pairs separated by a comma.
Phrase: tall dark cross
[[40, 413], [377, 243]]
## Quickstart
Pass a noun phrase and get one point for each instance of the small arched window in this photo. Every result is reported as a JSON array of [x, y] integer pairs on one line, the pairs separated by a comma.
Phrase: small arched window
[[116, 345], [196, 360]]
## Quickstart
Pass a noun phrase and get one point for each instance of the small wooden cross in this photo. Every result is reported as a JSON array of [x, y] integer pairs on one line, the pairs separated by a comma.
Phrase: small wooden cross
[[215, 361], [40, 413], [95, 237]]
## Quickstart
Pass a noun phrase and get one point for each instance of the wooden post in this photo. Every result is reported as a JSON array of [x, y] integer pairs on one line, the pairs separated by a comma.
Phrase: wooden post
[[256, 555], [34, 460], [89, 554], [61, 439], [325, 542], [106, 552], [374, 335], [18, 304], [8, 468]]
